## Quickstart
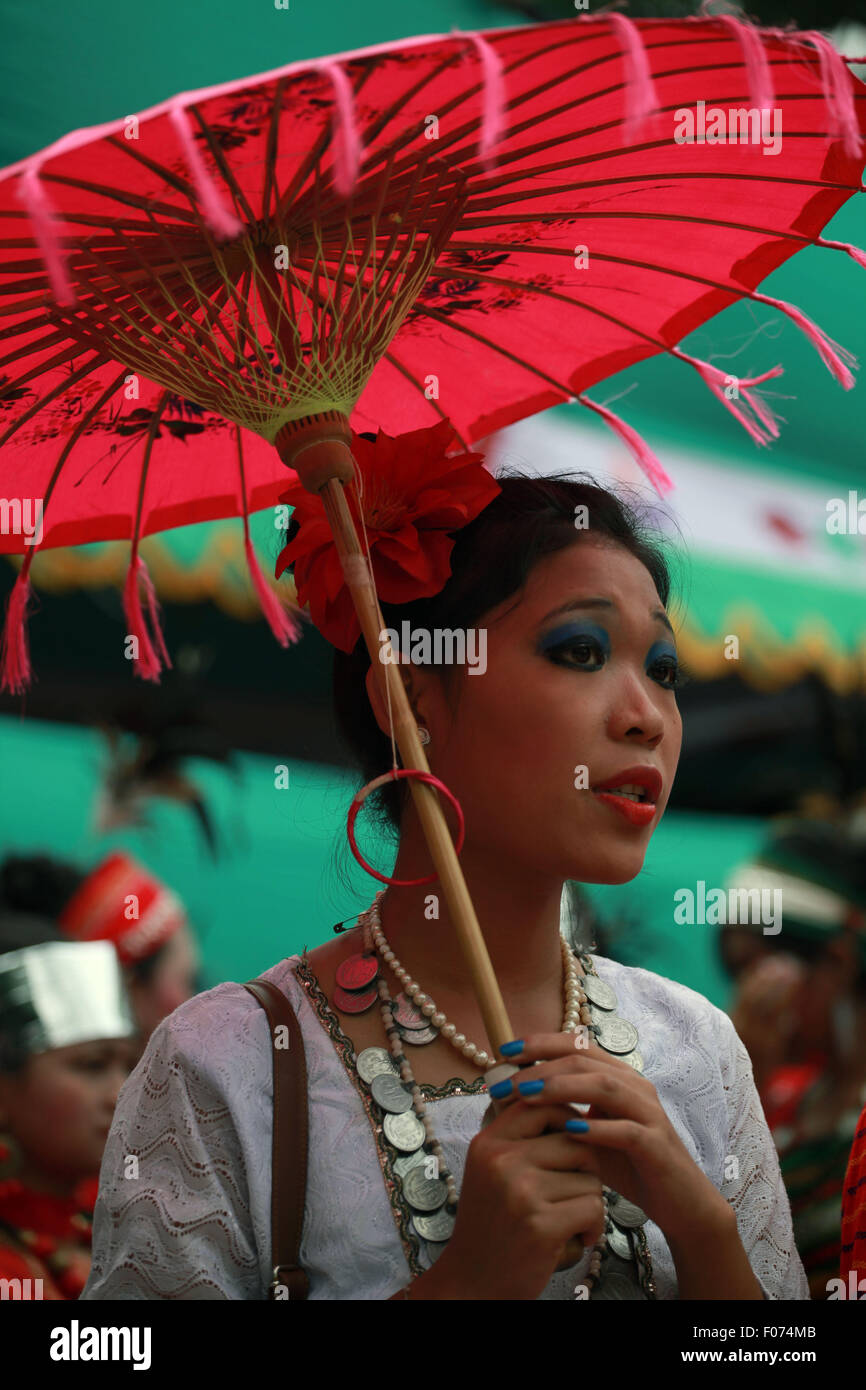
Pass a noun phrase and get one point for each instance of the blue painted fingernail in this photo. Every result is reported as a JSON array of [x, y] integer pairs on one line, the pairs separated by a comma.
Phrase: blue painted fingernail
[[511, 1049], [529, 1088], [577, 1126], [502, 1088]]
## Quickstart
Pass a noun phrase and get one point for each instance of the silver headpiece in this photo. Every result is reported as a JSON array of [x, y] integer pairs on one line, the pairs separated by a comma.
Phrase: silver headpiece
[[60, 993]]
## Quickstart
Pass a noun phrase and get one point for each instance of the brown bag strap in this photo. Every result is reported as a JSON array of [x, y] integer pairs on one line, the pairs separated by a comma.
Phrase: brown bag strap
[[289, 1152]]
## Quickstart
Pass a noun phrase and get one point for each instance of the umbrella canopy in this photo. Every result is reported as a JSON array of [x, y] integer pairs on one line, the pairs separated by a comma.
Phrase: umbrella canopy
[[474, 227]]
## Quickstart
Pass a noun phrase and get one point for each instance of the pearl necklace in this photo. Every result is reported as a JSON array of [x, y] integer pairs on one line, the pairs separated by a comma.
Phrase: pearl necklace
[[446, 1213], [576, 1003]]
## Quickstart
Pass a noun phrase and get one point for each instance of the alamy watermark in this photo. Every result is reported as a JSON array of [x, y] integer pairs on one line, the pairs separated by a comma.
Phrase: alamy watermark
[[715, 907], [22, 517], [739, 125], [441, 646]]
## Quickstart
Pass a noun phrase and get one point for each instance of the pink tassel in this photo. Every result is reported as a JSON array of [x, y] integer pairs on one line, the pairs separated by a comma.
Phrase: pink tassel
[[147, 665], [32, 193], [347, 140], [493, 115], [283, 625], [757, 68], [836, 82], [640, 94], [838, 359], [767, 427], [15, 672], [641, 451], [853, 251], [221, 221]]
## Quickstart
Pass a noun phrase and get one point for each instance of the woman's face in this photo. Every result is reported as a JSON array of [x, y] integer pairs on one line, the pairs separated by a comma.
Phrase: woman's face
[[588, 688], [172, 983], [59, 1106]]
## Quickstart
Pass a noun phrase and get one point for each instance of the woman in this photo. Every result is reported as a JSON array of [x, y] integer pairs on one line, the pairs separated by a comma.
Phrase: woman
[[119, 901], [801, 1013], [684, 1145], [66, 1047]]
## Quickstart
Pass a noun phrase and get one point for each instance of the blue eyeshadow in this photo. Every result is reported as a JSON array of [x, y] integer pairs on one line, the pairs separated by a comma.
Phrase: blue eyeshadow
[[577, 629], [660, 649]]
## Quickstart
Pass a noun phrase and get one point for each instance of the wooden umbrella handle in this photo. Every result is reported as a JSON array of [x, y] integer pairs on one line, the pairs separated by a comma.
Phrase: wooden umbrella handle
[[427, 802], [319, 451]]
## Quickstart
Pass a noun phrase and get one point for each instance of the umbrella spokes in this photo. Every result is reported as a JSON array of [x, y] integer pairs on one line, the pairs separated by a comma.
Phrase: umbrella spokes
[[285, 321]]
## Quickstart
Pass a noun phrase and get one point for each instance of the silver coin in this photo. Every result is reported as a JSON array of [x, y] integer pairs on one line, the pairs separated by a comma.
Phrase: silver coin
[[375, 1061], [634, 1059], [389, 1092], [407, 1014], [435, 1248], [423, 1193], [625, 1213], [406, 1161], [405, 1131], [615, 1287], [436, 1227], [418, 1036], [616, 1034], [598, 993], [618, 1242]]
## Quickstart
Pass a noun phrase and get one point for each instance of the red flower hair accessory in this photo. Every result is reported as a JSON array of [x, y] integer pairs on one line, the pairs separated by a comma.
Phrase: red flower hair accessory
[[414, 494]]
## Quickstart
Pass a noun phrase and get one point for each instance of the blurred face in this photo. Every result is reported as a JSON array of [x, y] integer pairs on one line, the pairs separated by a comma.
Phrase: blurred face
[[59, 1107], [589, 688], [740, 949], [172, 983]]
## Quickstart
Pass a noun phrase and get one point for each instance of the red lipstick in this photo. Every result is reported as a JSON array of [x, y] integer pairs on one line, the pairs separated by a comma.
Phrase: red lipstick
[[640, 782]]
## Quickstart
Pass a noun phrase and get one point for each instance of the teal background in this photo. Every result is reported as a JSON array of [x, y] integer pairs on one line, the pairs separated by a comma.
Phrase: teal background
[[278, 884]]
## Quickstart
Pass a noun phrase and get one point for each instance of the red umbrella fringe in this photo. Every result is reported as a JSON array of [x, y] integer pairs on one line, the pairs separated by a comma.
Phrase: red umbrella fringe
[[15, 671], [147, 663], [15, 660]]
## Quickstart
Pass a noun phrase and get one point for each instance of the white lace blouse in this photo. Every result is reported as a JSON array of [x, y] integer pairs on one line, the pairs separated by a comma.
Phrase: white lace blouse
[[196, 1221]]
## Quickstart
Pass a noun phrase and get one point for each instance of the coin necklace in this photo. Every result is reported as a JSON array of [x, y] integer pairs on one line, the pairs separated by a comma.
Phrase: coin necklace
[[427, 1183]]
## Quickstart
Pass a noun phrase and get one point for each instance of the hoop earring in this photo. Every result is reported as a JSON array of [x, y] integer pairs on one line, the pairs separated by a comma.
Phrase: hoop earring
[[361, 796], [423, 734]]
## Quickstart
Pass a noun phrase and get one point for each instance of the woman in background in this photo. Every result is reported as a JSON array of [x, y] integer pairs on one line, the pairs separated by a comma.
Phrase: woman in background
[[800, 1009], [67, 1044], [118, 901]]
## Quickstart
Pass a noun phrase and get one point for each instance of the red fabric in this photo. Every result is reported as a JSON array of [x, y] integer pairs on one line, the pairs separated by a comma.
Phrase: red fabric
[[413, 495], [784, 1088], [43, 1236], [15, 1265], [98, 910], [854, 1206]]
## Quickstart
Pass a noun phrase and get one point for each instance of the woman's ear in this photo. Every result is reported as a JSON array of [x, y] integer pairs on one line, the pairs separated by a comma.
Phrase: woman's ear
[[378, 698]]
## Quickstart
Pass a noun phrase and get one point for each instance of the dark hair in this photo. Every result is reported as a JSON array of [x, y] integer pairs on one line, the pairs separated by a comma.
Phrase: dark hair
[[38, 883], [19, 930], [491, 559]]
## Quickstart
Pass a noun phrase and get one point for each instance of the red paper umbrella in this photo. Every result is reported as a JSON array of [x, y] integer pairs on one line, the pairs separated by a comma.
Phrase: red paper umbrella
[[463, 227]]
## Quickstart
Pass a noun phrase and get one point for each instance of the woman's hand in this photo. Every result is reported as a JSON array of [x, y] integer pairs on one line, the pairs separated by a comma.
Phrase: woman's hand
[[637, 1152], [525, 1195]]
